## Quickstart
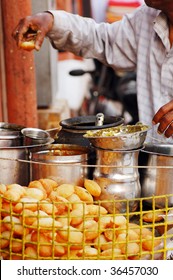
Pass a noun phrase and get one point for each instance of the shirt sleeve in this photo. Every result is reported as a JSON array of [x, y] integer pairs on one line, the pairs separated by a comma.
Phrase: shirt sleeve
[[113, 44]]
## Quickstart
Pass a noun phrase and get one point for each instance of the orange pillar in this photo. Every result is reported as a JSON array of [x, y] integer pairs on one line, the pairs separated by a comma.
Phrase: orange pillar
[[0, 93], [19, 68], [64, 5]]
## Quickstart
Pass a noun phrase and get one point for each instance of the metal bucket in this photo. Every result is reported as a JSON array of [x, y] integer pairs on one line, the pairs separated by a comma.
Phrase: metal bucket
[[14, 165], [13, 169], [157, 177], [61, 162]]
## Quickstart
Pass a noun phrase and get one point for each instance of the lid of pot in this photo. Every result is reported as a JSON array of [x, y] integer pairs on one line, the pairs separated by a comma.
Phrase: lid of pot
[[10, 130], [89, 122], [159, 149]]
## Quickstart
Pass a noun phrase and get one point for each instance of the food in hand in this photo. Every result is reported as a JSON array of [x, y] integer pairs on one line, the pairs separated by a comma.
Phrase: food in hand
[[27, 45]]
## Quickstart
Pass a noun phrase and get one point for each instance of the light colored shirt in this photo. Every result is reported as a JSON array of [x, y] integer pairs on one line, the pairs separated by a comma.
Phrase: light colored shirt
[[139, 42]]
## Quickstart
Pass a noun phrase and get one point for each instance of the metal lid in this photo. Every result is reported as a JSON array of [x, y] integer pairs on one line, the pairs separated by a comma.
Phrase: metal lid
[[83, 123], [10, 130]]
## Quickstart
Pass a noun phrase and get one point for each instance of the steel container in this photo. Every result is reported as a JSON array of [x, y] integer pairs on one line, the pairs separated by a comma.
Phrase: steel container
[[34, 136], [157, 174], [123, 137], [14, 155], [61, 162], [117, 174], [14, 165]]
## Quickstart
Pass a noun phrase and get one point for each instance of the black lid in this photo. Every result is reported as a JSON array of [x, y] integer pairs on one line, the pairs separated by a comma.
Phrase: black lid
[[88, 122]]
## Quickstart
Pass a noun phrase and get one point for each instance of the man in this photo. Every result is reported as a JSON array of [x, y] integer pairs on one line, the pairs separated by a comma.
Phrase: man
[[141, 41]]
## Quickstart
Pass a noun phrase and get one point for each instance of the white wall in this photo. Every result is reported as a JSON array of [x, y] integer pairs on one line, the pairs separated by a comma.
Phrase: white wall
[[46, 61], [99, 9]]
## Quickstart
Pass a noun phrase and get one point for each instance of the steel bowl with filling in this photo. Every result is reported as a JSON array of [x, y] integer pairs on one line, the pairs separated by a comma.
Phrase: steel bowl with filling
[[62, 162], [35, 136], [123, 137]]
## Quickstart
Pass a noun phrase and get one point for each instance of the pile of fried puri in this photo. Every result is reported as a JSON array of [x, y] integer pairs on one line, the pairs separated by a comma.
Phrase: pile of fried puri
[[45, 220]]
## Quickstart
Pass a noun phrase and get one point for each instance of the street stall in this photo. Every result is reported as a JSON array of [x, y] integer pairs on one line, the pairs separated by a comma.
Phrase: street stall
[[80, 191], [69, 207]]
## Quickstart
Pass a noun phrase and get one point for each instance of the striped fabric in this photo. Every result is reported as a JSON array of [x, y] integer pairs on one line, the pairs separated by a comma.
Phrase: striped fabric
[[139, 42]]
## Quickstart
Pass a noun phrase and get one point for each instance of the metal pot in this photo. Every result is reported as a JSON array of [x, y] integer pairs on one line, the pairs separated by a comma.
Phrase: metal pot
[[73, 130], [118, 177], [11, 152], [61, 162], [14, 165], [14, 155], [157, 177]]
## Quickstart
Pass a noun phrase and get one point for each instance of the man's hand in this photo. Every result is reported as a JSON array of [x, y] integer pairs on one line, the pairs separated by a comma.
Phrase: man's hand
[[164, 117], [33, 27]]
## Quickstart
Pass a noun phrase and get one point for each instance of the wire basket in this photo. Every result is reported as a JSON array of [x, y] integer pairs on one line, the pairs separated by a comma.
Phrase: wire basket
[[68, 223]]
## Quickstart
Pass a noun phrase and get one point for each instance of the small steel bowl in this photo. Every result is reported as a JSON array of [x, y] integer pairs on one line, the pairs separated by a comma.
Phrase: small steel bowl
[[34, 136], [127, 137]]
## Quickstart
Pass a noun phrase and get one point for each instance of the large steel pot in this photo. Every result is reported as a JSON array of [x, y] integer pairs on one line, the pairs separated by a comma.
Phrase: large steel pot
[[157, 174], [73, 130], [117, 174], [62, 162], [14, 165], [14, 154]]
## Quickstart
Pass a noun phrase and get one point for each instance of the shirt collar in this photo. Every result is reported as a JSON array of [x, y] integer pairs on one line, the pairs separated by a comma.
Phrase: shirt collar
[[161, 28], [161, 19]]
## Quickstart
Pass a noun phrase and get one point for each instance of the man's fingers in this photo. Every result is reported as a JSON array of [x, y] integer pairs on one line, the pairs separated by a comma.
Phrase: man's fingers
[[169, 131], [33, 28], [164, 117], [165, 121], [39, 40], [162, 112]]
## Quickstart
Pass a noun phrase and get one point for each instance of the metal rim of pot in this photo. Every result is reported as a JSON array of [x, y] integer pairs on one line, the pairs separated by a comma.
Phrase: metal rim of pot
[[10, 126], [11, 137], [45, 158], [158, 149], [50, 141], [119, 150], [46, 155]]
